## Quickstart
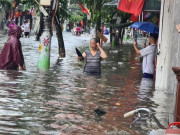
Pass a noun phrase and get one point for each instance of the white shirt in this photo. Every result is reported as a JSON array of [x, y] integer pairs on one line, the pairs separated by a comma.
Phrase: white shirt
[[27, 27], [148, 54]]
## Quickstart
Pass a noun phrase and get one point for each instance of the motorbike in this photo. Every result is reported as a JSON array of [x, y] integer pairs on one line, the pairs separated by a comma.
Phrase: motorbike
[[172, 129]]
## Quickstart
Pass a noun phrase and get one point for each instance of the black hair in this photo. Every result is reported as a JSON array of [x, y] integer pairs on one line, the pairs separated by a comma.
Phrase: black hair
[[154, 36], [93, 39]]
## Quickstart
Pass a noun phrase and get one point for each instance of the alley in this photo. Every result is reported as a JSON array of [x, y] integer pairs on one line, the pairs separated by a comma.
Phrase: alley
[[63, 100]]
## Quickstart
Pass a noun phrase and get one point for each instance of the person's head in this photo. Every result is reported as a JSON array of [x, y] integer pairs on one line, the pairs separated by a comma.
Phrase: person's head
[[153, 38], [28, 12], [24, 21], [16, 31], [12, 21], [93, 44], [16, 8]]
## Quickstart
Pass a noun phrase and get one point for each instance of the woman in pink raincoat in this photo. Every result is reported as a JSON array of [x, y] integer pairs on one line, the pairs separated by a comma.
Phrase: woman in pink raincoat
[[11, 57]]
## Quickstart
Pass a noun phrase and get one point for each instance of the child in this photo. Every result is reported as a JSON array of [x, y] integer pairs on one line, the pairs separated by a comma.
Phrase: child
[[23, 27], [27, 29]]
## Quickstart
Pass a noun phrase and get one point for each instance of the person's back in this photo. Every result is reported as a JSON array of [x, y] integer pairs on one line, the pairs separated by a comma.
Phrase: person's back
[[11, 56], [148, 55]]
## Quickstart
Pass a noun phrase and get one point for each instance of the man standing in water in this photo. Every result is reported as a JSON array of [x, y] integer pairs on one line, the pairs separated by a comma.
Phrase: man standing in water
[[93, 58], [148, 53], [11, 57]]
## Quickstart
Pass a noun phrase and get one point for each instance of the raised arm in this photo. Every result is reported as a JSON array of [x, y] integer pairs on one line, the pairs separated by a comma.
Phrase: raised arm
[[103, 53], [136, 49]]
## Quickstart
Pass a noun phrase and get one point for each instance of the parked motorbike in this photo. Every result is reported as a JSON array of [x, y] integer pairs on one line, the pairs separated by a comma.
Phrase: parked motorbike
[[172, 129]]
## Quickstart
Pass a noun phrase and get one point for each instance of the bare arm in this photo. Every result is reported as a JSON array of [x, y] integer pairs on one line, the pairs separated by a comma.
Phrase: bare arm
[[136, 49], [84, 55], [144, 45], [103, 53]]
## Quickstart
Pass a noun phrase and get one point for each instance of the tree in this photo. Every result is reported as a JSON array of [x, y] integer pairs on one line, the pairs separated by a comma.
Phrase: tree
[[95, 7], [101, 13]]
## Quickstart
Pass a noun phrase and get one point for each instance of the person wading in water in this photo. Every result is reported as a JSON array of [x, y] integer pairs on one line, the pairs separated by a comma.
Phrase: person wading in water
[[149, 54], [93, 58], [11, 57]]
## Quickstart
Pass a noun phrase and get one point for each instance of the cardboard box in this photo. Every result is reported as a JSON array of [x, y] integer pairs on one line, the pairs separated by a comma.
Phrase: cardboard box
[[102, 37]]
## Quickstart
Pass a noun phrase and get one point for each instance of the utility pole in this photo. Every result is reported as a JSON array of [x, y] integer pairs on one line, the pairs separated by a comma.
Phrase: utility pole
[[45, 39]]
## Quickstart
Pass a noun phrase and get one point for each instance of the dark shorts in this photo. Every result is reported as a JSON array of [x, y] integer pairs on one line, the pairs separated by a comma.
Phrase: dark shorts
[[146, 75], [26, 34]]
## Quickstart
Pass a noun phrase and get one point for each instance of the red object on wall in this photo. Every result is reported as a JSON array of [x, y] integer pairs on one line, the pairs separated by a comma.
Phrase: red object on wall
[[131, 6], [177, 104]]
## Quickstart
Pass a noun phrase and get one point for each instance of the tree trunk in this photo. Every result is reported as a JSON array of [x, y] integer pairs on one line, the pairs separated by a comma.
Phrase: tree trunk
[[60, 37], [110, 34], [110, 31], [122, 36], [98, 23], [98, 27], [119, 35], [40, 28]]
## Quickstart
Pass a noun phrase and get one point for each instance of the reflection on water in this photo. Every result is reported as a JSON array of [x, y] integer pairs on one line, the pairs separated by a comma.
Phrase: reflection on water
[[63, 100]]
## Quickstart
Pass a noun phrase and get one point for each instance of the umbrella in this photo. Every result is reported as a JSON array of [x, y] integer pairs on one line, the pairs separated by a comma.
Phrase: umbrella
[[146, 26]]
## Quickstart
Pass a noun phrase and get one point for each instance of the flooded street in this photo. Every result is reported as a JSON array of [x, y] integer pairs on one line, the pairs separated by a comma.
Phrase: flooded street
[[62, 100]]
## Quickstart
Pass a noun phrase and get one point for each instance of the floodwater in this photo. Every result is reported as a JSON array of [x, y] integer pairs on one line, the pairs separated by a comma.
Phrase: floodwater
[[62, 100]]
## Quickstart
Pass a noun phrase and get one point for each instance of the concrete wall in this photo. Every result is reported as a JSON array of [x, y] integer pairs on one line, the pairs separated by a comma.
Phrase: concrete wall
[[169, 46]]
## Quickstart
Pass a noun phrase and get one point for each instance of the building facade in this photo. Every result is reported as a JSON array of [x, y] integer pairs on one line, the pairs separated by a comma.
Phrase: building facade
[[168, 47]]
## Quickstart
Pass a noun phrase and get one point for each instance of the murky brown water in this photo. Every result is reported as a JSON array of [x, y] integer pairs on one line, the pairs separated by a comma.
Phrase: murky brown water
[[62, 101]]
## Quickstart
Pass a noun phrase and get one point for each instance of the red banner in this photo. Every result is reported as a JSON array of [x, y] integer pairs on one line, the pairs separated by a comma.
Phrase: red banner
[[84, 10], [131, 6], [134, 18]]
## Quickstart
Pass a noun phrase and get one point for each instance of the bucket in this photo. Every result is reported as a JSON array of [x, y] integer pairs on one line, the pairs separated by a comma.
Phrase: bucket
[[173, 131]]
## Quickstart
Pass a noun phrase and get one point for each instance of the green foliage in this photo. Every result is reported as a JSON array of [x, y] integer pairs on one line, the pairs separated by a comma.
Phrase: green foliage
[[76, 15], [63, 10], [108, 12], [104, 13], [75, 18], [6, 4]]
